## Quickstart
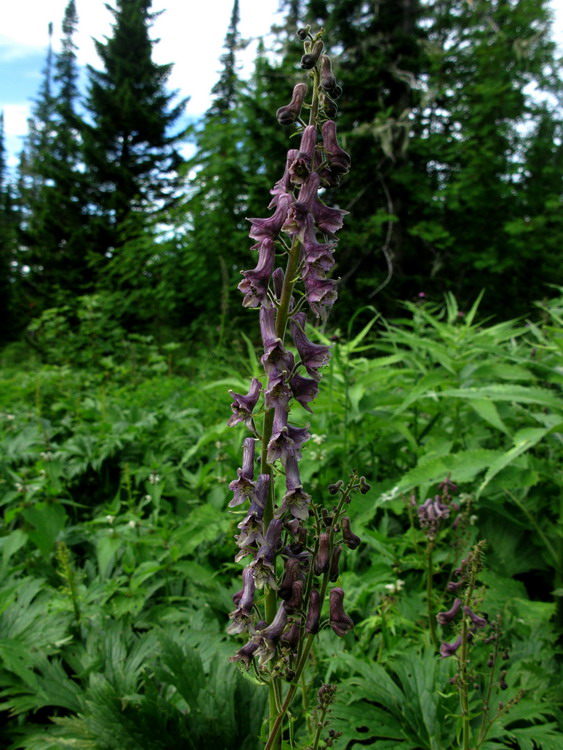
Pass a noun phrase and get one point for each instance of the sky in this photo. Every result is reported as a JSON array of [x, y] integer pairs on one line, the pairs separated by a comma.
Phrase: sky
[[194, 47]]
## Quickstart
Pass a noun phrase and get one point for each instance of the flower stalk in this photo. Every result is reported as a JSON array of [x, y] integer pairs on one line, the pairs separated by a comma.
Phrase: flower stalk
[[281, 611]]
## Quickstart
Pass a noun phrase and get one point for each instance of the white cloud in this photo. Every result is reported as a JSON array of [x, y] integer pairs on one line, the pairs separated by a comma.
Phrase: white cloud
[[15, 118]]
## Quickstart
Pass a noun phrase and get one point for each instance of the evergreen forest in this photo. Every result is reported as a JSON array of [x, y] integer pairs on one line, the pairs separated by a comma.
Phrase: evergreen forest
[[146, 455]]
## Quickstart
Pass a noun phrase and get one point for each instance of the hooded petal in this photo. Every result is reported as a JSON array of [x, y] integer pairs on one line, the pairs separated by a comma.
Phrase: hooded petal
[[255, 283], [313, 356], [338, 159]]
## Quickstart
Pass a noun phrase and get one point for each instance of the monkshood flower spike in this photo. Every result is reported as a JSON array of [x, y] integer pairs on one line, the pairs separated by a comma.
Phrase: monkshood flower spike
[[291, 540]]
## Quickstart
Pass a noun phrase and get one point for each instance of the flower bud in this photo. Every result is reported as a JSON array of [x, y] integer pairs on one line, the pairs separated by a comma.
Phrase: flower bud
[[291, 636], [328, 81], [333, 570], [333, 488], [322, 557], [288, 115], [364, 486], [350, 540], [309, 60], [339, 620], [303, 33], [445, 617], [314, 613], [291, 575], [294, 603]]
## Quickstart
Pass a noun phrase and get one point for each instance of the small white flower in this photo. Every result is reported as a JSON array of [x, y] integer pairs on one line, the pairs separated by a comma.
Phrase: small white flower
[[20, 487], [10, 417], [148, 498], [46, 455], [154, 478], [394, 588], [473, 520], [219, 444], [132, 524], [391, 495], [318, 439], [110, 519]]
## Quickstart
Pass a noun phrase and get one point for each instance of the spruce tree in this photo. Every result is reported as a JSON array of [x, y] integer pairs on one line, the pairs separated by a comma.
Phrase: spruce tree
[[130, 153], [8, 313], [216, 199], [436, 98]]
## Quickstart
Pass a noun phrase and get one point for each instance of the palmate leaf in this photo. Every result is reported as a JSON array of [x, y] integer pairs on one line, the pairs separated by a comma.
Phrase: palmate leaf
[[409, 707]]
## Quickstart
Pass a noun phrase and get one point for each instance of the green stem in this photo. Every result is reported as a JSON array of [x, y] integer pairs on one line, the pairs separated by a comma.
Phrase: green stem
[[429, 598], [463, 688]]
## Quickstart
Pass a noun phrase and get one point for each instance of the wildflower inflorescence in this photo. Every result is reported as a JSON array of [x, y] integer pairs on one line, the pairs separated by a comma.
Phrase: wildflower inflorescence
[[292, 545]]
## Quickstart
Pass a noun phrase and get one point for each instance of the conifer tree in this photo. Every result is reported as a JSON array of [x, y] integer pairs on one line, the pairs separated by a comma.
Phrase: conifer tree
[[216, 202], [130, 151], [8, 322], [439, 96], [53, 200]]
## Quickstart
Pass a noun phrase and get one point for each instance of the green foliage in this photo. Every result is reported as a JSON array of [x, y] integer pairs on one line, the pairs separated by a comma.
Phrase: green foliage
[[116, 550]]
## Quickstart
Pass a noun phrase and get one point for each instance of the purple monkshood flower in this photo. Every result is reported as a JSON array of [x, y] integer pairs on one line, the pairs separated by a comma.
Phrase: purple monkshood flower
[[286, 440], [339, 620], [449, 649], [317, 256], [338, 159], [445, 617], [241, 616], [244, 487], [351, 540], [276, 358], [284, 185], [295, 500], [292, 573], [278, 393], [312, 623], [288, 115], [271, 634], [273, 631], [271, 227], [264, 572], [291, 637], [292, 604], [296, 221], [321, 294], [430, 515], [478, 621], [322, 558], [313, 356], [251, 528], [246, 653], [255, 283], [304, 390], [301, 165], [242, 406]]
